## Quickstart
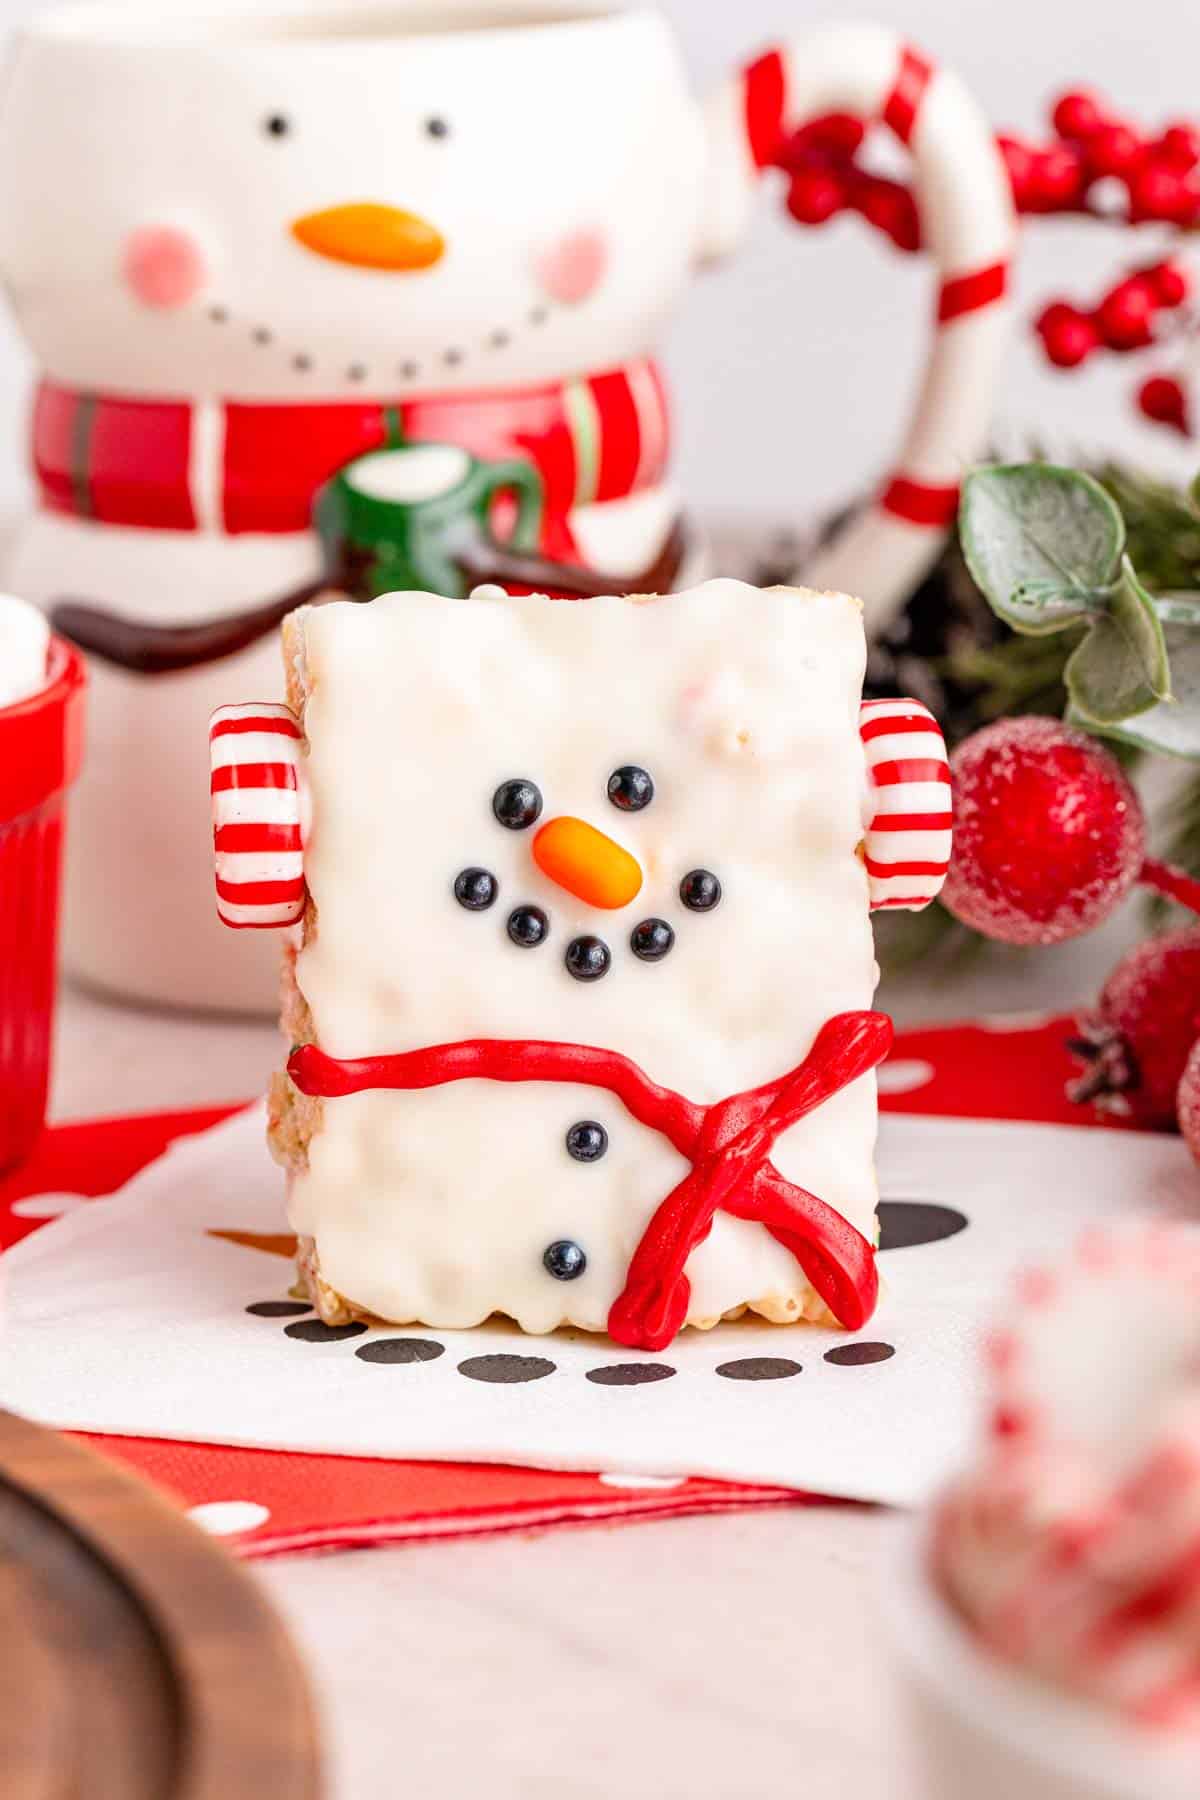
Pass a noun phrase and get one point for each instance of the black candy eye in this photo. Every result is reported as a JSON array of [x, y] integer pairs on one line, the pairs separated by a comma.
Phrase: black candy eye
[[700, 890], [630, 788], [564, 1260], [588, 958], [651, 940], [517, 804], [437, 127], [587, 1141], [528, 926], [476, 889], [277, 125]]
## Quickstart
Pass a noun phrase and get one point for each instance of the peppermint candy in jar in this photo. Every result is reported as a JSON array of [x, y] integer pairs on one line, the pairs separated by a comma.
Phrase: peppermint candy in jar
[[1072, 1548]]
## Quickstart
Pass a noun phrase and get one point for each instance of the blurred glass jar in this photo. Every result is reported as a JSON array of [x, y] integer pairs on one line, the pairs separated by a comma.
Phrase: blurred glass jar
[[41, 744]]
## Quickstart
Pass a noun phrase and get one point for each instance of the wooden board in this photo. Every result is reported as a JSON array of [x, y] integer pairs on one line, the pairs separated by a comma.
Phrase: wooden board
[[139, 1661]]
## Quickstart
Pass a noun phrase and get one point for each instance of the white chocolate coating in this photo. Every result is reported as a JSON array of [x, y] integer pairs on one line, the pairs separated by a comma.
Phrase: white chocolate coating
[[743, 706], [24, 646]]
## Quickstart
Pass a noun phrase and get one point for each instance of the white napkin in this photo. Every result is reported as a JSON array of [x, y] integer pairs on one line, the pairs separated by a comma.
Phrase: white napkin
[[127, 1316]]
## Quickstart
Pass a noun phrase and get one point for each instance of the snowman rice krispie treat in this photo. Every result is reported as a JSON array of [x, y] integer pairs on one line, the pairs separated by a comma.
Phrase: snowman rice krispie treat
[[581, 1005]]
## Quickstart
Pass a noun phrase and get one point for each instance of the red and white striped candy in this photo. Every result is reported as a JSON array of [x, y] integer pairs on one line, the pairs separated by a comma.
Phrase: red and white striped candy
[[909, 836], [969, 228], [257, 850]]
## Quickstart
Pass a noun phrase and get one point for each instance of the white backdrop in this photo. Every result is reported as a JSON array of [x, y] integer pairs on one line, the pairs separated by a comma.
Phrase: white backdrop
[[791, 366]]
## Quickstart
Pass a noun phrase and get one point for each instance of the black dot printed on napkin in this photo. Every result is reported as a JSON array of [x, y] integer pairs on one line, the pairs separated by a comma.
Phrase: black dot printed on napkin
[[903, 1224], [400, 1350], [506, 1369]]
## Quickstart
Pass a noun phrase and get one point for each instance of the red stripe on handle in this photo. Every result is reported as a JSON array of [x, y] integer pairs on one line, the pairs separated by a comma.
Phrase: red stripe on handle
[[919, 502], [912, 821], [257, 838], [903, 104], [252, 775], [261, 893], [918, 768], [234, 727], [969, 293], [765, 97]]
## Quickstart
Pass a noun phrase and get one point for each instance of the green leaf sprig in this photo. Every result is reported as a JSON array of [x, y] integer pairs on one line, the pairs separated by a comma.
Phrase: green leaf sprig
[[1047, 547]]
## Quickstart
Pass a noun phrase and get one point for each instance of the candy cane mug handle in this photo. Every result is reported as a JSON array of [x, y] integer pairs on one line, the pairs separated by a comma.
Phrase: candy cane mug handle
[[258, 854], [909, 837], [968, 223]]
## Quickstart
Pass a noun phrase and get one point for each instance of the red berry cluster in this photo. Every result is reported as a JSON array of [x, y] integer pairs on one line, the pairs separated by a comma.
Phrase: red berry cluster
[[1123, 320], [1160, 175], [825, 180]]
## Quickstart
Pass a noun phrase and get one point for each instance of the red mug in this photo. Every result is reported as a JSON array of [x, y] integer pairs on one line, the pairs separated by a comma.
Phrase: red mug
[[41, 744]]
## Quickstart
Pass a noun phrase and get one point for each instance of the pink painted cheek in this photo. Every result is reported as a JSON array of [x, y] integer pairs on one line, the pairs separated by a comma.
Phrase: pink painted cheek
[[164, 267], [573, 267]]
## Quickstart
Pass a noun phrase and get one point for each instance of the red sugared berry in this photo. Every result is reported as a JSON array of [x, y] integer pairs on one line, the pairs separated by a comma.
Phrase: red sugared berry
[[1187, 1102], [890, 207], [1126, 314], [1020, 160], [839, 133], [1048, 832], [1059, 178], [1113, 150], [1179, 146], [814, 196], [1137, 1040], [1170, 283], [1067, 335], [1163, 399], [1159, 192], [1077, 114]]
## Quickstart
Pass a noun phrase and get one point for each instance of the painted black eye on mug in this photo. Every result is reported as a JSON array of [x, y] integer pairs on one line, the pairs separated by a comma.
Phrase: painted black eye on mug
[[630, 788], [517, 804]]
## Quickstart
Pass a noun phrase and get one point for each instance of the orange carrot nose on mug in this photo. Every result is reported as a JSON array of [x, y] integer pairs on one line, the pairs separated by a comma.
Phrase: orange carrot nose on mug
[[41, 742]]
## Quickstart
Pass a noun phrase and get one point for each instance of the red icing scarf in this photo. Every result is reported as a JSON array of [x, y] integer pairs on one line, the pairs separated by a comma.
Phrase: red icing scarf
[[234, 466], [728, 1145]]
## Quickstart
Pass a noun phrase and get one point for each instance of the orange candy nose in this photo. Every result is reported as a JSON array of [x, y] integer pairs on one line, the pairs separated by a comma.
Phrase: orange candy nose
[[586, 863], [371, 236]]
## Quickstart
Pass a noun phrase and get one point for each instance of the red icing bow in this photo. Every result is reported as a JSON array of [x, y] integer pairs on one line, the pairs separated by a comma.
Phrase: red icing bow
[[728, 1145]]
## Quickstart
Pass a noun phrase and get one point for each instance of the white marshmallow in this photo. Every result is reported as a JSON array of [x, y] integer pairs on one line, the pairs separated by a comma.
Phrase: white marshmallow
[[24, 646]]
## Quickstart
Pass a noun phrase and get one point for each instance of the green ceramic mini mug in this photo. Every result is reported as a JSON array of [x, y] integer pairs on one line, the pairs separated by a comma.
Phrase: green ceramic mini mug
[[414, 516]]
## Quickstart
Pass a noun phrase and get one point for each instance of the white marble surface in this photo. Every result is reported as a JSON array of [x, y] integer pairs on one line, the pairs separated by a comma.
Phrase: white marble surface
[[714, 1656]]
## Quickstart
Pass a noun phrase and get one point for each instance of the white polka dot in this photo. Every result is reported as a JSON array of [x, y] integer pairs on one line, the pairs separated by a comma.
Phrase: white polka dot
[[1015, 1021], [901, 1077], [643, 1481], [47, 1206], [225, 1518]]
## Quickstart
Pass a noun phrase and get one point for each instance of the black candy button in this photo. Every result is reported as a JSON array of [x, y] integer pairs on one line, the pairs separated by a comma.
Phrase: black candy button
[[476, 889], [587, 1141], [564, 1260], [651, 939], [588, 958], [630, 788], [517, 804], [700, 890], [528, 926]]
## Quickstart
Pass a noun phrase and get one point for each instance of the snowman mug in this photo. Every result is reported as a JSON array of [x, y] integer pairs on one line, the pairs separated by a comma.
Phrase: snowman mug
[[249, 247]]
